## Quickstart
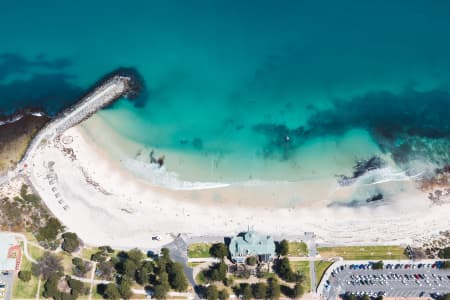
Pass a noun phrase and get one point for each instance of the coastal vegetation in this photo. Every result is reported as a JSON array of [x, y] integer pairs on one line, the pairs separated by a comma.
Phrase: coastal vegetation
[[363, 252], [24, 212], [16, 137]]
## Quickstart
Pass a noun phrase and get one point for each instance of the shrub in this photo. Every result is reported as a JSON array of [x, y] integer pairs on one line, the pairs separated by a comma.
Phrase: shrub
[[25, 275], [259, 290], [251, 261], [218, 250], [444, 253], [284, 270], [70, 242], [50, 231], [282, 248], [212, 293]]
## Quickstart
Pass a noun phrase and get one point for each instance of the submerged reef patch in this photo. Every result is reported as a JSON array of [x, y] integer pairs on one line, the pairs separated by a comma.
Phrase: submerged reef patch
[[360, 168], [405, 124]]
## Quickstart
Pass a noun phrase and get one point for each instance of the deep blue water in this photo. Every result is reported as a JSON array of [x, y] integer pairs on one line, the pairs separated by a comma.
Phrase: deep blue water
[[232, 79]]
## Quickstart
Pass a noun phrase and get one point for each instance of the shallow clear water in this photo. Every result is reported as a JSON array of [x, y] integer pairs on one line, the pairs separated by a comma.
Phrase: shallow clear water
[[230, 84]]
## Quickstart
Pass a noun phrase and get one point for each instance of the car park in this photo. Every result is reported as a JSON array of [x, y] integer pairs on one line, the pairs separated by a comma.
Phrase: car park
[[394, 280]]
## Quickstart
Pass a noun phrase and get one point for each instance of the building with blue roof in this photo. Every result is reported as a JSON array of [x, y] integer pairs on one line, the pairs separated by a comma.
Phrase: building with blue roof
[[252, 244]]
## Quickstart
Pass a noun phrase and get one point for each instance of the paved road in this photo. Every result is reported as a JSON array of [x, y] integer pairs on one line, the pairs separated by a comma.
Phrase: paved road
[[312, 253], [178, 252], [7, 279], [392, 282]]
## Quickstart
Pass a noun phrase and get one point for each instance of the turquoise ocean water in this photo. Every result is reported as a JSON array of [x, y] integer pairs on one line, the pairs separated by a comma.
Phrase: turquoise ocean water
[[274, 90]]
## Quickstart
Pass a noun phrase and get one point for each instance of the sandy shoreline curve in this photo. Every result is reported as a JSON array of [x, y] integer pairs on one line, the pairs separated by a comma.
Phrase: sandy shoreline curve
[[109, 200], [95, 196]]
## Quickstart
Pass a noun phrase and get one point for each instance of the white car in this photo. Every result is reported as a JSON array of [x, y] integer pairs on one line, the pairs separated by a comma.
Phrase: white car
[[156, 238]]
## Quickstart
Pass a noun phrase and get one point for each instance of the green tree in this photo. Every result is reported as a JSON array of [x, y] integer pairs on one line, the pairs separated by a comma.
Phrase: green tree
[[67, 296], [143, 272], [25, 275], [211, 292], [99, 256], [259, 290], [177, 278], [48, 265], [160, 292], [246, 291], [80, 267], [127, 268], [273, 289], [377, 265], [70, 242], [163, 286], [112, 292], [352, 297], [125, 288], [298, 290], [283, 248], [76, 286], [223, 295], [165, 253], [164, 259], [107, 249], [251, 261], [135, 255], [218, 250], [365, 297], [444, 253], [283, 269], [218, 272], [51, 286], [50, 231]]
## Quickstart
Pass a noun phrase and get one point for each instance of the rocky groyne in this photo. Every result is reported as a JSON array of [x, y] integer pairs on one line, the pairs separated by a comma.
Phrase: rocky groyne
[[119, 84]]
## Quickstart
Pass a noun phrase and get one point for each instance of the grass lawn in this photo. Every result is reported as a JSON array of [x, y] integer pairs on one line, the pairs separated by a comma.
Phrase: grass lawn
[[25, 290], [297, 249], [95, 295], [200, 278], [30, 237], [199, 250], [86, 253], [321, 266], [66, 262], [193, 264], [303, 267], [35, 252], [364, 252]]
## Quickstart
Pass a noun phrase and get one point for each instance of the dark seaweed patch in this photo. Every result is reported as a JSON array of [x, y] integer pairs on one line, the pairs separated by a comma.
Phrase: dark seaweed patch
[[392, 119]]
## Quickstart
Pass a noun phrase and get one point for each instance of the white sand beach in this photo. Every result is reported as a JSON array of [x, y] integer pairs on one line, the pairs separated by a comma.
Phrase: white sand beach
[[94, 195]]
